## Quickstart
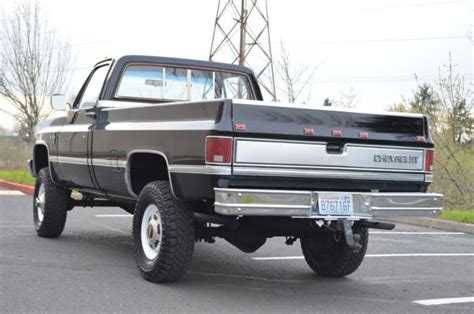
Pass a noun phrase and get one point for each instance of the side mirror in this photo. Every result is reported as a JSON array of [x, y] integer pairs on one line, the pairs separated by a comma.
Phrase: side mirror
[[58, 102]]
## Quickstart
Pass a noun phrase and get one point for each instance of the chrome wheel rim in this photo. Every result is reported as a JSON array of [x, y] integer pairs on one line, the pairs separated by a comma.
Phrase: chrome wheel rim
[[40, 200], [151, 232]]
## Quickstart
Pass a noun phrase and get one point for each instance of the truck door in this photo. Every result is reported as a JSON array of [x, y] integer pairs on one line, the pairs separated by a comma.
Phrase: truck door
[[75, 138]]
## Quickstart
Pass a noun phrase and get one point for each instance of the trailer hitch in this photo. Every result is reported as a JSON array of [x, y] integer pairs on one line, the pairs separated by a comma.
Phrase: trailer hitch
[[352, 239]]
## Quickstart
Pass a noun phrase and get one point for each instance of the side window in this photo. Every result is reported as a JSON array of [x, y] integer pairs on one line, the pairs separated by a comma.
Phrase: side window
[[94, 86]]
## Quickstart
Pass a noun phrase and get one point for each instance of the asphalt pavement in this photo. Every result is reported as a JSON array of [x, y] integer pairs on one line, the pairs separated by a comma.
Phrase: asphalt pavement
[[91, 268]]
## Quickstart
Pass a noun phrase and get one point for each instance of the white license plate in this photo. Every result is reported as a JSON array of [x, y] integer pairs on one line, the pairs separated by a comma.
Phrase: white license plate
[[335, 204]]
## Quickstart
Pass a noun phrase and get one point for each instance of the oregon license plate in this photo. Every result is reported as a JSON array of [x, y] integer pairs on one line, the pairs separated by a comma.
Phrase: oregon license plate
[[335, 203]]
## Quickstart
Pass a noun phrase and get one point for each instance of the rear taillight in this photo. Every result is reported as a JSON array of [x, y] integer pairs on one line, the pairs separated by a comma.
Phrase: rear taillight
[[429, 159], [218, 150]]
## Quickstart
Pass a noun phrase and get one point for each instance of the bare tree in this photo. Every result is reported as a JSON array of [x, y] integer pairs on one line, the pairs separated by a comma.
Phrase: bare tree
[[457, 102], [33, 63], [449, 106], [295, 80], [399, 107], [346, 99]]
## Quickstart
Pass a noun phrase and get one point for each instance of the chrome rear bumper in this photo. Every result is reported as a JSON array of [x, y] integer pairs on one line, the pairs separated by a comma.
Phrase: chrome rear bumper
[[304, 204]]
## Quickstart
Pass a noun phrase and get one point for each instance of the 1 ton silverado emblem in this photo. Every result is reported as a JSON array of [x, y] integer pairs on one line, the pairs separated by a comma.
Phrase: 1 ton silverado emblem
[[401, 159]]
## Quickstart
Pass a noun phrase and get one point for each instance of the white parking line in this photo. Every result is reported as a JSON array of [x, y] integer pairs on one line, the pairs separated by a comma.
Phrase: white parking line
[[416, 232], [110, 216], [276, 258], [11, 192], [445, 301], [420, 255]]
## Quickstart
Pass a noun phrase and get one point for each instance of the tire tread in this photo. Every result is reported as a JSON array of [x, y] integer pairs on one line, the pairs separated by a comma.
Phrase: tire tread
[[56, 206], [345, 261], [177, 245]]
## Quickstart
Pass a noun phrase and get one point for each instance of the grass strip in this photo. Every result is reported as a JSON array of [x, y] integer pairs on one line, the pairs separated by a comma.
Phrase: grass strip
[[464, 216], [17, 175]]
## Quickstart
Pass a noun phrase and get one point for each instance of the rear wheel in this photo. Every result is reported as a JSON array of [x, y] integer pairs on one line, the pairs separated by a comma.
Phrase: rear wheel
[[328, 254], [163, 234], [50, 206]]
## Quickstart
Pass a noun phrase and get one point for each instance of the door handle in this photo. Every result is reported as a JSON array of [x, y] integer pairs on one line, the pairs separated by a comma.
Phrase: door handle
[[335, 148], [91, 114]]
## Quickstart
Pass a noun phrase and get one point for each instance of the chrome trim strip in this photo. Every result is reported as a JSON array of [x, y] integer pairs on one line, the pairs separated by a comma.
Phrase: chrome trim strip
[[101, 162], [321, 142], [332, 218], [403, 208], [49, 129], [108, 105], [265, 206], [75, 128], [290, 192], [194, 169], [201, 169], [72, 160], [66, 128], [328, 174], [304, 204], [297, 167], [161, 126], [314, 154]]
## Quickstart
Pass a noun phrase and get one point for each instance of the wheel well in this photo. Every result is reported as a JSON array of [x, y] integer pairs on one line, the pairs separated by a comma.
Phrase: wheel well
[[40, 157], [145, 168]]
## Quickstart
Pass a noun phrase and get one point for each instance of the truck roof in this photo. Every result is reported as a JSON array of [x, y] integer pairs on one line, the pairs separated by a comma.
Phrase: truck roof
[[180, 61]]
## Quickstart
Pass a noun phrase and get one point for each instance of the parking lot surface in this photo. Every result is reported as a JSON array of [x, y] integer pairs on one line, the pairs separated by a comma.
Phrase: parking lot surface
[[91, 268]]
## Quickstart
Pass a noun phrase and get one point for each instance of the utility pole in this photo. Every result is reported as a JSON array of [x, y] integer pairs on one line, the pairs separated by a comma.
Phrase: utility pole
[[242, 36]]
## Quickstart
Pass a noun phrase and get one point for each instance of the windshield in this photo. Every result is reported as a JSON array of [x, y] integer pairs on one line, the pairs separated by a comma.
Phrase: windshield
[[177, 83]]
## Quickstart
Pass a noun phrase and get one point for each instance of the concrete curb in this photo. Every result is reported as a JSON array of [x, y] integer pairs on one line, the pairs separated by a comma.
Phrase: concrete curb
[[27, 189], [435, 223]]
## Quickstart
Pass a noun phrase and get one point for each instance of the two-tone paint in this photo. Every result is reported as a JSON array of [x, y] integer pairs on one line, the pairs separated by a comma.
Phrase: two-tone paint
[[92, 151]]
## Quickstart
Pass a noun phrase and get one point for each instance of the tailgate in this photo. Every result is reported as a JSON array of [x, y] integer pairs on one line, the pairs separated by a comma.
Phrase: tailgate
[[290, 121], [342, 144]]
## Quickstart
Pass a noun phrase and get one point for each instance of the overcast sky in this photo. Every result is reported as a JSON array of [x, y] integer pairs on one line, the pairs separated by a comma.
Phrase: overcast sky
[[373, 48]]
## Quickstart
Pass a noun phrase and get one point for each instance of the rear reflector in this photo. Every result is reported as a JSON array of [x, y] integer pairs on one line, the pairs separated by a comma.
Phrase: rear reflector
[[364, 134], [337, 133], [218, 149], [429, 159], [308, 131], [240, 127]]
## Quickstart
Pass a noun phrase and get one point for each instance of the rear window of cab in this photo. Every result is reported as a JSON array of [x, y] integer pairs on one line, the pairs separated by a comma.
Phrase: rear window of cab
[[172, 83]]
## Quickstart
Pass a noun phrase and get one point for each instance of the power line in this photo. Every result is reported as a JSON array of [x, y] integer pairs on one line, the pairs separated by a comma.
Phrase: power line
[[413, 5], [340, 41], [384, 79]]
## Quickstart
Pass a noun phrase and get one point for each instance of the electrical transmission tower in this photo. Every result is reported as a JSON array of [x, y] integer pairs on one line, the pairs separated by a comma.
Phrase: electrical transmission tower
[[242, 36]]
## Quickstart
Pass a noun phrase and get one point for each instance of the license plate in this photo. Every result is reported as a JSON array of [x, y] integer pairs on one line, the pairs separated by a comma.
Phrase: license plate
[[335, 204]]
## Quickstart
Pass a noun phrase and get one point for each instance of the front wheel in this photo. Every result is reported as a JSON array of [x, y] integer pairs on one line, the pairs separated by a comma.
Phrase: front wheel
[[50, 206], [328, 254], [163, 234]]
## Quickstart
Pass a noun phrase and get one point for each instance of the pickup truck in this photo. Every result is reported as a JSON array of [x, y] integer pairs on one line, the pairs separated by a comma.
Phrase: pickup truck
[[192, 150]]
